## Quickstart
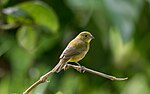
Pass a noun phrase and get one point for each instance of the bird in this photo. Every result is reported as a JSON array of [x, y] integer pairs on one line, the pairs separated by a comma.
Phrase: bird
[[75, 50]]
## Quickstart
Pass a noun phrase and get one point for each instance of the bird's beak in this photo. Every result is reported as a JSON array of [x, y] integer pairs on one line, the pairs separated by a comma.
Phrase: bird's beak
[[91, 37]]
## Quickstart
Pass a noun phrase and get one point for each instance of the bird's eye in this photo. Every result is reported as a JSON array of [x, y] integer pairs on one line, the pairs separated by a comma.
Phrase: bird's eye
[[86, 35]]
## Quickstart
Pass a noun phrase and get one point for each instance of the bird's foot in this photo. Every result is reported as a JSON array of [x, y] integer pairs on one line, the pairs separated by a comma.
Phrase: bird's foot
[[65, 67], [81, 69]]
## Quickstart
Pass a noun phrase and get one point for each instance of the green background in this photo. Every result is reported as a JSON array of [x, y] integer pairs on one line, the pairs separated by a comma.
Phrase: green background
[[33, 33]]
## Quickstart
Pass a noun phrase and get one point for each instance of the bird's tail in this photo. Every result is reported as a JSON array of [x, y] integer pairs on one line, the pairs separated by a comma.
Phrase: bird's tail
[[59, 66]]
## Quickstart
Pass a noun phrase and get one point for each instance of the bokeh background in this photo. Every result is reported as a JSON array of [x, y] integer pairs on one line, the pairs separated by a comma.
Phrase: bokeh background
[[33, 33]]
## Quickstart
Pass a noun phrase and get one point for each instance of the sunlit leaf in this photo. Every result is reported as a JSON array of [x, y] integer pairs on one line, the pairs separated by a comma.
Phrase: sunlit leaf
[[59, 92], [16, 15], [120, 49], [41, 13], [27, 37], [3, 2], [4, 85]]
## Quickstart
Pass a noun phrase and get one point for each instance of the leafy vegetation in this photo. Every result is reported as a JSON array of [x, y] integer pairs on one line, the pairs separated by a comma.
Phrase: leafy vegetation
[[34, 33]]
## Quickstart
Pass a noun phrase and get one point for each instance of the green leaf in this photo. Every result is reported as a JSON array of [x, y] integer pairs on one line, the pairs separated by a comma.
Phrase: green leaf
[[123, 15], [3, 2], [137, 85], [20, 61], [5, 43], [121, 51], [16, 15], [46, 42], [4, 85], [59, 92], [27, 37], [41, 13]]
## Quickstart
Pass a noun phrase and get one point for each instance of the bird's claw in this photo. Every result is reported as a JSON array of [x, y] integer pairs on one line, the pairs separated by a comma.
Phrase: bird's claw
[[81, 69], [65, 67]]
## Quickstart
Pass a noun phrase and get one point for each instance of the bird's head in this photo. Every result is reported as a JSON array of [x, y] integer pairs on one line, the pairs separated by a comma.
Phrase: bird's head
[[85, 36]]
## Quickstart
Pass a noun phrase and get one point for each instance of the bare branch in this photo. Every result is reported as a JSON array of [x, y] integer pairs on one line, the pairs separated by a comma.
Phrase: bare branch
[[95, 72], [78, 68], [41, 80]]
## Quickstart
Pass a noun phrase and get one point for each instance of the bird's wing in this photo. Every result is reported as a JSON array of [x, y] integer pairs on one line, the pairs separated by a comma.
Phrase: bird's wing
[[73, 48]]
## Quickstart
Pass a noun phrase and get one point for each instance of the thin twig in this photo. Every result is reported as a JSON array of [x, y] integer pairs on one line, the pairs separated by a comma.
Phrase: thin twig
[[95, 72], [41, 80], [78, 68]]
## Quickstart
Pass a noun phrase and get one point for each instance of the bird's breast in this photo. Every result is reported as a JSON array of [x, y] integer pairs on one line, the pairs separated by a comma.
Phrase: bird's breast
[[80, 56]]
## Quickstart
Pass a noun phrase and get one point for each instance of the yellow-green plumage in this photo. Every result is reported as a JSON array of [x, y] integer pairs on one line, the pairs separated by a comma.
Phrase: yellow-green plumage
[[75, 51], [80, 47]]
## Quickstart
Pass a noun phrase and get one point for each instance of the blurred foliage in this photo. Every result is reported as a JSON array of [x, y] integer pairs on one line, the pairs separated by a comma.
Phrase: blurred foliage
[[33, 33]]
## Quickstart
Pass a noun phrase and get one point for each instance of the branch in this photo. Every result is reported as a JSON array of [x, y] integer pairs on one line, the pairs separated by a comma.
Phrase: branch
[[78, 68], [95, 72]]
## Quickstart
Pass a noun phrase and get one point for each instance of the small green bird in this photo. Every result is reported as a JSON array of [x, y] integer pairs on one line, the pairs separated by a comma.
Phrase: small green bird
[[75, 51]]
